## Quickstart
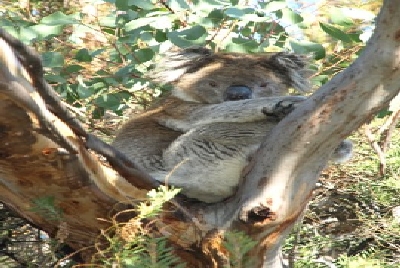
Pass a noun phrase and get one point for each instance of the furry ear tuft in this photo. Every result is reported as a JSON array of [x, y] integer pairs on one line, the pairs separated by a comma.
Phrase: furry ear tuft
[[294, 67], [177, 62]]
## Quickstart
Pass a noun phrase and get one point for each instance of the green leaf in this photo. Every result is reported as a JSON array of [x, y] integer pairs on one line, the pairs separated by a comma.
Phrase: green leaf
[[146, 36], [355, 37], [52, 78], [122, 4], [127, 4], [111, 101], [246, 31], [160, 22], [188, 37], [98, 86], [305, 47], [338, 16], [59, 18], [73, 68], [216, 16], [83, 55], [234, 12], [319, 80], [143, 55], [43, 31], [177, 5], [253, 18], [194, 33], [109, 21], [290, 16], [26, 34], [273, 6], [128, 16], [160, 36], [383, 113], [134, 24], [52, 59], [46, 207], [335, 32], [242, 45], [124, 72], [143, 4], [84, 92], [209, 5]]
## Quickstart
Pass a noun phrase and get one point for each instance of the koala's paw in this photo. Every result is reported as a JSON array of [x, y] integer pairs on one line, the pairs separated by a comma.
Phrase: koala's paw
[[281, 109], [343, 152]]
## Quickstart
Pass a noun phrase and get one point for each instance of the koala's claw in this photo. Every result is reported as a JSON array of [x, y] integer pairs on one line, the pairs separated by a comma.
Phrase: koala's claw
[[280, 110]]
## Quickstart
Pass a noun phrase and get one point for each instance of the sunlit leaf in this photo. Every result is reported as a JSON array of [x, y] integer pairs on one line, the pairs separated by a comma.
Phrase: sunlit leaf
[[109, 21], [188, 37], [177, 4], [274, 6], [290, 16], [337, 16], [144, 4], [42, 31], [29, 33], [84, 92], [305, 47], [53, 59], [59, 18], [335, 32], [160, 22], [244, 45], [234, 12]]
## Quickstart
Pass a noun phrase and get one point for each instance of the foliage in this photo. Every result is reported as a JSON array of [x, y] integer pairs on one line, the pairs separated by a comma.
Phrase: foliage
[[45, 206], [157, 200], [102, 62], [238, 244], [132, 244]]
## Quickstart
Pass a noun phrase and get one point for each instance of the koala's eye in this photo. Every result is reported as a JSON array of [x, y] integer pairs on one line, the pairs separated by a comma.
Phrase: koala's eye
[[213, 84], [264, 84], [233, 93]]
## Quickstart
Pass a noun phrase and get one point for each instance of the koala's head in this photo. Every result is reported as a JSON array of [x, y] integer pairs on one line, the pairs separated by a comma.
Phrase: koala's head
[[199, 75]]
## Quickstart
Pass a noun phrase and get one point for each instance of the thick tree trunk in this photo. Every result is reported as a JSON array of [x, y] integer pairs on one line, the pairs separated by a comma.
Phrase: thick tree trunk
[[42, 156]]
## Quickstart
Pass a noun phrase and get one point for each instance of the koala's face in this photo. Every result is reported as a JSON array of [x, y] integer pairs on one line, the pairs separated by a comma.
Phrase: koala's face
[[198, 75], [224, 81]]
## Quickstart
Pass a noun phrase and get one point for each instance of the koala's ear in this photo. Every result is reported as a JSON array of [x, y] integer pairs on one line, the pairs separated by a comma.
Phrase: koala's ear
[[177, 62], [293, 67]]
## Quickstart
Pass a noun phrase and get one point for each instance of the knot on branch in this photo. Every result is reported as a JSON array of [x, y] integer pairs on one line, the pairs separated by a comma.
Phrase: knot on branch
[[258, 214]]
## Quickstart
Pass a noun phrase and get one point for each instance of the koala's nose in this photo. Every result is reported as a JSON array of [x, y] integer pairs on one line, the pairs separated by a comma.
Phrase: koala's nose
[[233, 93]]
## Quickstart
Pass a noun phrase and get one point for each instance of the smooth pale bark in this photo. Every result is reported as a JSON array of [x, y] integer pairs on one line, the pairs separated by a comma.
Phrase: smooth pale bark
[[272, 196]]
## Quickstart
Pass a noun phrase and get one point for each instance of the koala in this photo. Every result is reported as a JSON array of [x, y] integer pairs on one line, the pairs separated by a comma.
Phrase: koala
[[200, 136]]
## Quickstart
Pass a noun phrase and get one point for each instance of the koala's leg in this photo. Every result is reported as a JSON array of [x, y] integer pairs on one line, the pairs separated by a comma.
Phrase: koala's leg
[[207, 161]]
